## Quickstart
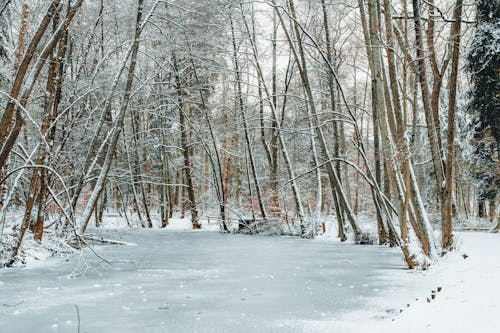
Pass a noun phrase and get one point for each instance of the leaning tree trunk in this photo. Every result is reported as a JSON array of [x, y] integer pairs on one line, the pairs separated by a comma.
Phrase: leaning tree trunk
[[332, 173], [9, 128], [119, 121]]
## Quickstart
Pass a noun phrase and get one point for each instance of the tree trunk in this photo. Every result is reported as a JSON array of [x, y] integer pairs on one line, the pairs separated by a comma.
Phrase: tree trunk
[[284, 151], [447, 224], [186, 149], [239, 98], [332, 174], [118, 123]]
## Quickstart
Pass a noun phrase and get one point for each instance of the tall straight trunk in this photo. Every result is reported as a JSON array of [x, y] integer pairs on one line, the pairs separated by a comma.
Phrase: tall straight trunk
[[333, 106], [332, 88], [437, 75], [447, 225], [164, 192], [424, 89], [274, 144], [54, 87], [135, 194], [186, 149], [382, 232], [216, 165], [284, 150], [239, 98], [394, 101], [226, 160], [379, 104], [137, 169], [317, 210], [263, 140], [165, 186]]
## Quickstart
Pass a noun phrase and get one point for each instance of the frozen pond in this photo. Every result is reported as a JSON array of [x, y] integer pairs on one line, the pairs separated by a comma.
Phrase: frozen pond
[[196, 282]]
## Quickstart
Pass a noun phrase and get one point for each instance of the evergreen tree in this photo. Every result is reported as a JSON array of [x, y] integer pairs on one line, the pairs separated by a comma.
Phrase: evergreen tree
[[484, 68]]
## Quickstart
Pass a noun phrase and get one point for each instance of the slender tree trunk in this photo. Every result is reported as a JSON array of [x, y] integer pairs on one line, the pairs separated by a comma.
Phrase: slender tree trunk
[[186, 150], [239, 97], [334, 180], [382, 232], [447, 224], [12, 120], [118, 123], [336, 125], [284, 150], [53, 90], [137, 169], [424, 88], [274, 144]]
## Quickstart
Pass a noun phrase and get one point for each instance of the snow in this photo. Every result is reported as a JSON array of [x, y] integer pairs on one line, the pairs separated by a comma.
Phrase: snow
[[197, 282], [176, 223], [470, 292], [183, 280], [33, 253], [467, 300]]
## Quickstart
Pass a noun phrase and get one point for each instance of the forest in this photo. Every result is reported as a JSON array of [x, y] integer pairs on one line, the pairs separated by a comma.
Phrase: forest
[[372, 123]]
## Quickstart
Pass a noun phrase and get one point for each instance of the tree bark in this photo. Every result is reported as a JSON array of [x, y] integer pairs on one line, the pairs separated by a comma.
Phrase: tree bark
[[447, 224], [118, 123]]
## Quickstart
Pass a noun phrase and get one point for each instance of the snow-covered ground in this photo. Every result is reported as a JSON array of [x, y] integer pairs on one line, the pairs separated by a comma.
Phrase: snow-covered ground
[[199, 282], [176, 280], [468, 300], [470, 296]]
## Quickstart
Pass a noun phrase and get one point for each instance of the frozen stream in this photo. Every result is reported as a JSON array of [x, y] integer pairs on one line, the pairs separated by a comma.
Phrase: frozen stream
[[197, 282]]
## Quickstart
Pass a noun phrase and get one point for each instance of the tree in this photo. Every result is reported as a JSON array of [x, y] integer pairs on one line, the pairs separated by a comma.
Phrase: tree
[[483, 64], [447, 224]]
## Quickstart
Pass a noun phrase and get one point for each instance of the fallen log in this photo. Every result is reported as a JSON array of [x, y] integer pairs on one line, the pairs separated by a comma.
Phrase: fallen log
[[107, 241]]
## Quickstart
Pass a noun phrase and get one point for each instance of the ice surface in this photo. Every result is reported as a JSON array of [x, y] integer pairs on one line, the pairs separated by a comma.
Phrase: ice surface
[[198, 282]]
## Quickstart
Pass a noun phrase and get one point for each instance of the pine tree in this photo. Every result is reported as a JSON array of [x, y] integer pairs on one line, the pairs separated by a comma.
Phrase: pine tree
[[484, 68]]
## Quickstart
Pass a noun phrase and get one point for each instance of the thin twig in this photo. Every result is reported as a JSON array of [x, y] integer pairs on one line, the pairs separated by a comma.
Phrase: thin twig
[[78, 316], [5, 7], [13, 305]]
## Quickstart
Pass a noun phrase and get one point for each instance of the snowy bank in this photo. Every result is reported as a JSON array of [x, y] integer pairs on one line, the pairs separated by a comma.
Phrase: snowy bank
[[469, 300], [466, 295]]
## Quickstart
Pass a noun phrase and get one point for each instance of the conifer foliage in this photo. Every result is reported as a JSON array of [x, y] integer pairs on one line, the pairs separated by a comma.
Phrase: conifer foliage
[[484, 67]]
